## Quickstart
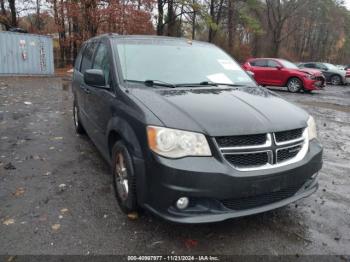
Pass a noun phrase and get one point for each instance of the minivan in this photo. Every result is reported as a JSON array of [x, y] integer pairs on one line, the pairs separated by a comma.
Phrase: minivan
[[189, 135]]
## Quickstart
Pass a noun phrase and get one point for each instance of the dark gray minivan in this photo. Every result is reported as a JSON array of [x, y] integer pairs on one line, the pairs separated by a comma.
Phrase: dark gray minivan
[[188, 134]]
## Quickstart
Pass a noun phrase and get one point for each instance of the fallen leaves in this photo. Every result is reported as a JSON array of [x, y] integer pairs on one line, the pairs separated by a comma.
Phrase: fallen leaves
[[8, 221], [191, 243], [57, 138], [19, 191], [56, 227], [133, 215], [64, 210]]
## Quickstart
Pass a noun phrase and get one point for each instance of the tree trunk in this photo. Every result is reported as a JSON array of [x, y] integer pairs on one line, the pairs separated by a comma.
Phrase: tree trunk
[[160, 23], [38, 21], [211, 13], [60, 34], [12, 6], [194, 20], [230, 26], [171, 18]]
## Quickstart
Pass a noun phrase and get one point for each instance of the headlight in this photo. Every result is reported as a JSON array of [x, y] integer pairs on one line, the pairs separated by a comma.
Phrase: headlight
[[312, 77], [311, 128], [175, 143]]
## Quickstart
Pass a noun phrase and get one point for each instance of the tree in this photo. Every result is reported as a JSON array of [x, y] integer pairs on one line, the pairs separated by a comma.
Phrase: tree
[[12, 5], [278, 12]]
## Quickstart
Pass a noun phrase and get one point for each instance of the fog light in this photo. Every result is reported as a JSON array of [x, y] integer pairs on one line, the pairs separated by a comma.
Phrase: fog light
[[182, 202]]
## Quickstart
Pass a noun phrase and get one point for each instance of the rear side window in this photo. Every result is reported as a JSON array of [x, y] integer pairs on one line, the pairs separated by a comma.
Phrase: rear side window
[[272, 63], [101, 60], [259, 63], [88, 54], [310, 65]]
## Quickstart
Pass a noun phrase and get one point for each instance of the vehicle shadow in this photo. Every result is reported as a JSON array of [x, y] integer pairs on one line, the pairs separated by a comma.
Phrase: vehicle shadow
[[229, 236]]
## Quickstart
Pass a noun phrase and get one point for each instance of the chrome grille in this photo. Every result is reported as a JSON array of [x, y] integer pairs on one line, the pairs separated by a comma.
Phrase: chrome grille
[[262, 151]]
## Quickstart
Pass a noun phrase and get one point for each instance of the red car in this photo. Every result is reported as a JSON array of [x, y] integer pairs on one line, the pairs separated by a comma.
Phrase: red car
[[280, 72]]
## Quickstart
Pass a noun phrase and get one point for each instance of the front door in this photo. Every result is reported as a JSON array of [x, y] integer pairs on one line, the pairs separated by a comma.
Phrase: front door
[[274, 73], [84, 89], [100, 100], [258, 67]]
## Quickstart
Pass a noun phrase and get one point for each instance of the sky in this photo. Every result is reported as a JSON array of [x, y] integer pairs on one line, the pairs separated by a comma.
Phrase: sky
[[347, 3]]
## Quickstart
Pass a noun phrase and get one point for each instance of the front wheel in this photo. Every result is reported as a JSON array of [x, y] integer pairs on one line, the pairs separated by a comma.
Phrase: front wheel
[[124, 180], [294, 85], [336, 80]]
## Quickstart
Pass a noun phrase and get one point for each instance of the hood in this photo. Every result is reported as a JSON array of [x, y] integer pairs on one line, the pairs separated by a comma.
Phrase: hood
[[310, 71], [222, 112], [337, 71]]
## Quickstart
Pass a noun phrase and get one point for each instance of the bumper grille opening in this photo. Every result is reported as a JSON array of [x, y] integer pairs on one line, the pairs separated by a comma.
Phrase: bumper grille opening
[[287, 153], [236, 141], [288, 135], [248, 160], [260, 200]]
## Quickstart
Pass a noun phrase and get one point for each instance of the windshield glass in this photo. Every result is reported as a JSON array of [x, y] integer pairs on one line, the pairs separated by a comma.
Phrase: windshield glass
[[287, 64], [178, 62], [330, 66]]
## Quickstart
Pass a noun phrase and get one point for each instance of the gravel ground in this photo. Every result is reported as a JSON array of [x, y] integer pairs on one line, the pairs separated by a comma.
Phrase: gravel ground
[[56, 195]]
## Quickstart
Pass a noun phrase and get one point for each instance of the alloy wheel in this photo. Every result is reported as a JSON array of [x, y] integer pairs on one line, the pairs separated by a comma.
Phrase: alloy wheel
[[76, 123], [294, 85], [121, 177], [336, 80]]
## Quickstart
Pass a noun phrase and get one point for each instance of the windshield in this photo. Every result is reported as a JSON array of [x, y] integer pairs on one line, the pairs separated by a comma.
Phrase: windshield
[[178, 62], [330, 66], [288, 64]]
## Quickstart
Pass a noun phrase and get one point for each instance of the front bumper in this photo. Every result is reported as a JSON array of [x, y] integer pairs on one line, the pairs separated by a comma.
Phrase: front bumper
[[347, 80], [314, 84], [208, 182]]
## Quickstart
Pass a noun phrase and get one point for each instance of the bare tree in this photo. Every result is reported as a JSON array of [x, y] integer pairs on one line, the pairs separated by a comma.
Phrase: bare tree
[[278, 12], [12, 5]]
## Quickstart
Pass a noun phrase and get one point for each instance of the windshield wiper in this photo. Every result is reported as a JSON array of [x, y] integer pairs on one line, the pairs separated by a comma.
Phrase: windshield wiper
[[207, 83], [152, 83], [234, 85], [204, 83]]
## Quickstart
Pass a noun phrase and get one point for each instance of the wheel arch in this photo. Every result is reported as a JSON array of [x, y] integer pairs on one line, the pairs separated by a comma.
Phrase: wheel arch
[[294, 76], [119, 129]]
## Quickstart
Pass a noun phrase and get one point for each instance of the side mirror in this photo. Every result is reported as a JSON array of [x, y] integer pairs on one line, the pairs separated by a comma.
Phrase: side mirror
[[95, 77]]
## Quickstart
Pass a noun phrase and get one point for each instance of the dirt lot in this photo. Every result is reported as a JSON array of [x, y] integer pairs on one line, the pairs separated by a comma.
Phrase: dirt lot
[[56, 195]]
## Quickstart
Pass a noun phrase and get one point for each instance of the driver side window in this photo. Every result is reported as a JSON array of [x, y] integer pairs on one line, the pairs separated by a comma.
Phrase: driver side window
[[101, 61]]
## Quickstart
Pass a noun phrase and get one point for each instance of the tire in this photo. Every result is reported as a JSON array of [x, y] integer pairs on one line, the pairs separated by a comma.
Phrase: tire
[[336, 80], [294, 85], [77, 123], [124, 180]]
